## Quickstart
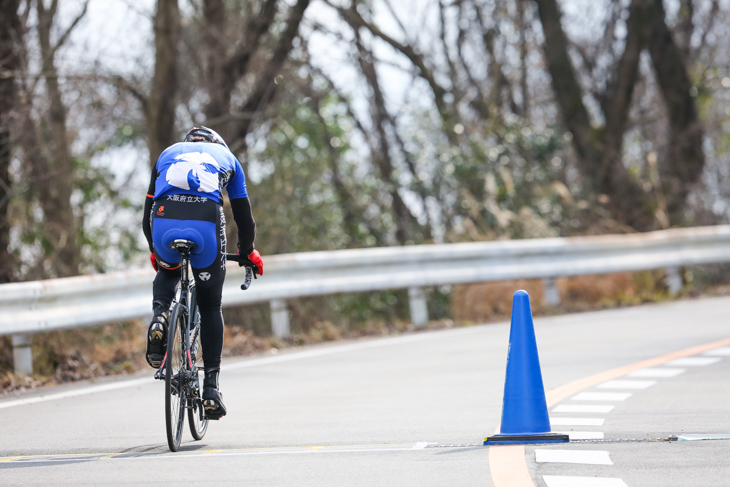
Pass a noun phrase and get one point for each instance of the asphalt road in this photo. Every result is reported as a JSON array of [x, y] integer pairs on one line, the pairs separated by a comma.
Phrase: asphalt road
[[408, 410]]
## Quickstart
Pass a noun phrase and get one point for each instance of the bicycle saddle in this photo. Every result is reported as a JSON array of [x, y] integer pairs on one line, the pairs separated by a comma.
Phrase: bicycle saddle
[[181, 245]]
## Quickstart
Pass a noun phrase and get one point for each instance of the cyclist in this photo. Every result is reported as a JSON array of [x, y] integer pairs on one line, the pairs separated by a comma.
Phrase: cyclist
[[184, 201]]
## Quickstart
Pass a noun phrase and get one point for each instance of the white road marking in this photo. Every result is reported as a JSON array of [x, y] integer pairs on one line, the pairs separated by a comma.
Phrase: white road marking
[[583, 457], [626, 384], [577, 421], [214, 453], [325, 351], [76, 392], [694, 361], [583, 435], [702, 437], [718, 352], [583, 408], [601, 396], [559, 481], [246, 363], [657, 372]]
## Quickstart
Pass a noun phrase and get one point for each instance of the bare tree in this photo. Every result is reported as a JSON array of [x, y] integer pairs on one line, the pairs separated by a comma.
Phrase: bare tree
[[599, 150], [10, 38], [226, 66], [683, 160], [380, 150], [162, 99], [239, 45], [47, 148]]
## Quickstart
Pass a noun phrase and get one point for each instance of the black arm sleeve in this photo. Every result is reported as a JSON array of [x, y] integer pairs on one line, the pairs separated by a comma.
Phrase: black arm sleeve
[[246, 225], [149, 199]]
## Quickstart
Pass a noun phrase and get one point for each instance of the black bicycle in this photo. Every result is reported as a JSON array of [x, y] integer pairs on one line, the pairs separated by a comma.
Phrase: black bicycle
[[182, 363]]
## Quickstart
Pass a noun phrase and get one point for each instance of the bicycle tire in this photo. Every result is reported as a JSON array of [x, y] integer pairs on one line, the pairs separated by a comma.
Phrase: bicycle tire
[[198, 425], [175, 396]]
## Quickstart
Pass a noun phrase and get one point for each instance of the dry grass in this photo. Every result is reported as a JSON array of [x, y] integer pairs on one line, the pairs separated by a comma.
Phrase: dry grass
[[486, 302], [85, 353]]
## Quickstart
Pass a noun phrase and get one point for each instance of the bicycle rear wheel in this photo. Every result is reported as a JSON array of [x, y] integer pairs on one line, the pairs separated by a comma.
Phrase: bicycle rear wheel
[[198, 425], [175, 393]]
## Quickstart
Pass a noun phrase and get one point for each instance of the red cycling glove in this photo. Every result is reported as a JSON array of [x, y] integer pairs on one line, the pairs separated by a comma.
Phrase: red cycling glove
[[255, 257], [154, 261]]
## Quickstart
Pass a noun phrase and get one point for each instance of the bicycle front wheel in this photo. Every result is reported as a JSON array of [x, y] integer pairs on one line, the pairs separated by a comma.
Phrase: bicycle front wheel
[[175, 392]]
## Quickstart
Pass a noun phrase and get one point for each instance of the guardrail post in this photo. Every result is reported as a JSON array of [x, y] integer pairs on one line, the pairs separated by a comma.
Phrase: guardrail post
[[279, 318], [419, 308], [674, 280], [22, 355], [551, 295]]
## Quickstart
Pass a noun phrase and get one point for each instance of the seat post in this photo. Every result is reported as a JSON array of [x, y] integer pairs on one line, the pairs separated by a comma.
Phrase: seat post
[[184, 247], [184, 276]]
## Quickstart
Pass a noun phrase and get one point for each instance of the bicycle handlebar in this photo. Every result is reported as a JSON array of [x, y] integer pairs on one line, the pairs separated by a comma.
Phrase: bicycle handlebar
[[251, 268]]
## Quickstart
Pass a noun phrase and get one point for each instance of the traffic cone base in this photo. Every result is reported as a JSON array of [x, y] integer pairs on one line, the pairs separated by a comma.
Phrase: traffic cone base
[[500, 439]]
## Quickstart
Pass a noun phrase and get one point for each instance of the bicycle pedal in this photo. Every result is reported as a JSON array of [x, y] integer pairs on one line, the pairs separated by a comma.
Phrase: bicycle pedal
[[213, 417], [213, 410]]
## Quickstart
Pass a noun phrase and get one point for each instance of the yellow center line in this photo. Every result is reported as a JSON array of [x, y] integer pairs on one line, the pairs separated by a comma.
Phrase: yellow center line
[[106, 455], [508, 466], [10, 459], [111, 455], [507, 462]]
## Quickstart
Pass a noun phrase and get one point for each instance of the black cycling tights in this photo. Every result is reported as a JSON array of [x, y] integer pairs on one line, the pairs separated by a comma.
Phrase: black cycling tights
[[209, 304]]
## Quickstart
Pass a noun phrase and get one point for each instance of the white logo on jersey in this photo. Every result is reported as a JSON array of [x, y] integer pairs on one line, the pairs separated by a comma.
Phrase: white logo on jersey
[[179, 174], [204, 276]]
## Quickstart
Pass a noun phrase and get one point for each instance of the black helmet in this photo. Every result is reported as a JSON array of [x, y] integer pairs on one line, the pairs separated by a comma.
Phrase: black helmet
[[204, 134]]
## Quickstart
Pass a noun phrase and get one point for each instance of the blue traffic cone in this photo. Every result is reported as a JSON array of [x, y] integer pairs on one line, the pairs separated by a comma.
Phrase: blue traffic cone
[[524, 409]]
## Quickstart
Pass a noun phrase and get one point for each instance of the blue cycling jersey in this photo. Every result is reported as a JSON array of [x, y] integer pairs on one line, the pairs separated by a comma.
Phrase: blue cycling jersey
[[199, 169]]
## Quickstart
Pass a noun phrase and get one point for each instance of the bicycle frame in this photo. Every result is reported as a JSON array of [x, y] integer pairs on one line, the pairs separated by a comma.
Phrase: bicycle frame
[[189, 306]]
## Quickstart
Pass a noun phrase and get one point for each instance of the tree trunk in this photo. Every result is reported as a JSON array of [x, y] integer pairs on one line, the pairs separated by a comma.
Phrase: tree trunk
[[684, 161], [162, 99], [10, 37], [223, 72], [381, 153], [58, 176], [599, 151], [265, 87]]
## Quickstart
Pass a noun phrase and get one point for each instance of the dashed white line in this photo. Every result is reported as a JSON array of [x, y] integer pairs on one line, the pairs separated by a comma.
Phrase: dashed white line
[[559, 481], [583, 457], [77, 392], [664, 372], [601, 396], [694, 361], [718, 352], [670, 369], [626, 384], [577, 421], [583, 408]]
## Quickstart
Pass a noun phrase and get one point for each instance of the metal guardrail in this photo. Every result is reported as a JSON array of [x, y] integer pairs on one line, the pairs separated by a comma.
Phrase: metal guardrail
[[31, 307]]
